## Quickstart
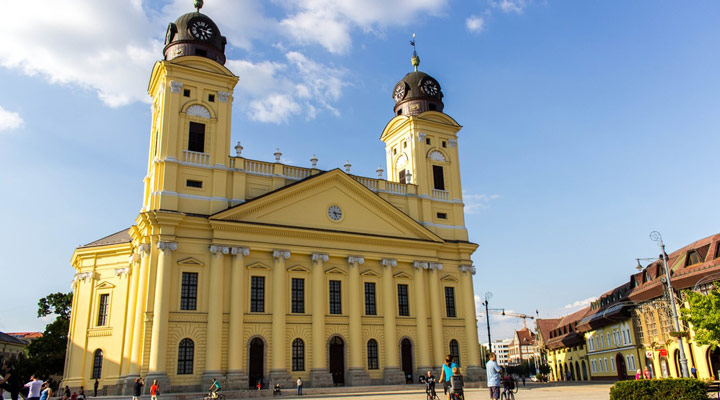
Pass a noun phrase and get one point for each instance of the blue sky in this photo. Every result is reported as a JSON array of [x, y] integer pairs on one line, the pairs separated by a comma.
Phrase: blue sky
[[586, 125]]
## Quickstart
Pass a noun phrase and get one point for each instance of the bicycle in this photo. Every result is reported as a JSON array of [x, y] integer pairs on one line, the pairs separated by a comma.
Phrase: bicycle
[[509, 388], [430, 393], [218, 396], [456, 387]]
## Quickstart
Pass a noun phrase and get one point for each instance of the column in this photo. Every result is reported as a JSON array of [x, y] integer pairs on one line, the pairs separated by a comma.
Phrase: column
[[473, 367], [357, 375], [391, 373], [237, 379], [139, 323], [158, 344], [319, 374], [130, 315], [214, 314], [423, 343], [438, 341], [278, 369]]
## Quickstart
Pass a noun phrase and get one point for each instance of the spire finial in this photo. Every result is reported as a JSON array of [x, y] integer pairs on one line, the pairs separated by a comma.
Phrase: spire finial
[[198, 4], [415, 60]]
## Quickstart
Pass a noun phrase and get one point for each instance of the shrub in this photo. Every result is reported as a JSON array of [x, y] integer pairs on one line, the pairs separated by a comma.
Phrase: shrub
[[676, 389]]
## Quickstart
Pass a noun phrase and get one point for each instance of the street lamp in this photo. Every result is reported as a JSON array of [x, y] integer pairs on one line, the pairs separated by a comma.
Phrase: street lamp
[[488, 295], [655, 236]]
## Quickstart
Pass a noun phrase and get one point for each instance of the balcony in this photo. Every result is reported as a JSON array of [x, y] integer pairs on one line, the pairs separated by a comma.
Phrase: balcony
[[193, 157]]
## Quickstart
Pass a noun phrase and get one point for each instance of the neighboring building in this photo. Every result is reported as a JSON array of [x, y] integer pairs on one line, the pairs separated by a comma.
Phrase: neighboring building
[[501, 349], [11, 346], [523, 347], [566, 350], [543, 328], [26, 336], [247, 270]]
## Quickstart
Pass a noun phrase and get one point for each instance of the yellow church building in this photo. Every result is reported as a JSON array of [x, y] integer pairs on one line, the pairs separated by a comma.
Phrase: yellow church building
[[247, 270]]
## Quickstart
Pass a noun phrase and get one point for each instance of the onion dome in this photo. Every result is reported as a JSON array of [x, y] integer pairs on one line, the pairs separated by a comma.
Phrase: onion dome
[[417, 92], [194, 34]]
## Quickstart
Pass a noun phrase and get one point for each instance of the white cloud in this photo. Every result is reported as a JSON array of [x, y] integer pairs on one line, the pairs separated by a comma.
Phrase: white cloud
[[10, 120], [510, 6], [580, 303], [477, 202], [475, 24]]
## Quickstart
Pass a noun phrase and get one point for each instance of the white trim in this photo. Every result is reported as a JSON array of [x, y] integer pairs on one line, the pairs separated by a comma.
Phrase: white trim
[[442, 226], [195, 196], [612, 350]]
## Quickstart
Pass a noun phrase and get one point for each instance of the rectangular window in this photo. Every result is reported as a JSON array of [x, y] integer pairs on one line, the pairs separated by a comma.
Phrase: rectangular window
[[450, 302], [427, 140], [444, 144], [193, 183], [403, 306], [442, 215], [188, 291], [370, 307], [103, 309], [335, 298], [612, 364], [298, 296], [186, 92], [438, 177], [257, 294], [211, 98], [401, 177], [196, 137]]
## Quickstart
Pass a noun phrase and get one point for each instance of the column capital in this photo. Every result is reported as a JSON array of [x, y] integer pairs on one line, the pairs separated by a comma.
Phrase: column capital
[[236, 251], [216, 249], [119, 272], [134, 257], [167, 246], [435, 266], [389, 262], [281, 254], [144, 249], [175, 86], [467, 268], [421, 264], [320, 257], [82, 276], [352, 260]]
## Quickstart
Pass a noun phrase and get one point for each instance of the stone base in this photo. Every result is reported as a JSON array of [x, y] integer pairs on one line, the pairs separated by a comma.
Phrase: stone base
[[282, 378], [393, 376], [474, 373], [161, 377], [357, 377], [320, 378], [237, 380]]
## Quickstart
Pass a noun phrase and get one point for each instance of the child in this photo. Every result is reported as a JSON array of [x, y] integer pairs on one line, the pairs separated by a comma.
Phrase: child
[[154, 390]]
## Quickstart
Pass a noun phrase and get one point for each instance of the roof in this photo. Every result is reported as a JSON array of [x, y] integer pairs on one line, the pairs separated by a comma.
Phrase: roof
[[544, 326], [5, 338], [573, 337], [122, 236], [525, 336], [27, 336]]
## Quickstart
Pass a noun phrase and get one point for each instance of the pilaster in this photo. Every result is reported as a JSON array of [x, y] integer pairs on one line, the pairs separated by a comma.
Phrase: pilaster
[[214, 313], [392, 374], [278, 369], [237, 379], [423, 363], [138, 325], [158, 344], [319, 374], [435, 315], [357, 376]]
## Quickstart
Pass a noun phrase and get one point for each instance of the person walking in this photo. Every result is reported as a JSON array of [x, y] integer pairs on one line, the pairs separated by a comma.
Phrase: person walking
[[95, 386], [137, 388], [493, 376], [154, 390], [299, 386], [34, 387]]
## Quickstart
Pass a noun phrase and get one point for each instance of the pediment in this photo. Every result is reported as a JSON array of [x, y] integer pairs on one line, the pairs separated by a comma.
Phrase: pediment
[[298, 268], [306, 205], [448, 278], [258, 267], [402, 275], [370, 273], [334, 271], [191, 261], [104, 285]]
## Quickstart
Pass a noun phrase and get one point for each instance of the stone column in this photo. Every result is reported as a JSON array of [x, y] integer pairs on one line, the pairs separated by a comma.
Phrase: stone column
[[214, 314], [319, 374], [130, 315], [438, 341], [423, 364], [237, 379], [473, 367], [392, 374], [161, 309], [278, 368], [357, 376], [139, 316]]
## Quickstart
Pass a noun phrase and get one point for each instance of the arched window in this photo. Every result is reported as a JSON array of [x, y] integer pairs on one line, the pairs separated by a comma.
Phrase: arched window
[[186, 356], [298, 355], [97, 364], [455, 351], [372, 354]]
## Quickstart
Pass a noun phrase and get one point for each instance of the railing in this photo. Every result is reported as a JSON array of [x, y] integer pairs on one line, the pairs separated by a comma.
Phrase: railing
[[296, 172], [440, 194], [258, 167], [193, 157], [367, 182], [398, 188]]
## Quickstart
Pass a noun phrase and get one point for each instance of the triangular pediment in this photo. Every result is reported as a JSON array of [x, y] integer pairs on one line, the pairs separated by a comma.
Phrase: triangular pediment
[[190, 261], [298, 268], [308, 203], [370, 273], [402, 275], [104, 285], [258, 267], [334, 271], [448, 278]]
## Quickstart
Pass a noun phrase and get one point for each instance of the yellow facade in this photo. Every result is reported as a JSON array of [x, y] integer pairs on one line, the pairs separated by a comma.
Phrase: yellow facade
[[217, 225], [569, 363], [613, 352]]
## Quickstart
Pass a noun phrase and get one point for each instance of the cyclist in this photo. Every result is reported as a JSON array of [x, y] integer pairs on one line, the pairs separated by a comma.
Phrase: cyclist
[[447, 373], [430, 385], [214, 389], [493, 377]]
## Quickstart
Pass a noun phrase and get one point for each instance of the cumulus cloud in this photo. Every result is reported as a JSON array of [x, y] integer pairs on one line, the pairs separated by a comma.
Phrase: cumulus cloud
[[478, 202], [510, 6], [580, 303], [10, 120], [475, 24]]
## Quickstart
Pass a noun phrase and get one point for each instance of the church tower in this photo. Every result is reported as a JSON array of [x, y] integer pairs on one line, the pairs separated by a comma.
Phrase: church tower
[[191, 92]]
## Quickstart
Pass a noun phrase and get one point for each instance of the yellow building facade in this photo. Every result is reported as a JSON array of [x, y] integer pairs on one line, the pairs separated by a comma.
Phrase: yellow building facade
[[246, 270]]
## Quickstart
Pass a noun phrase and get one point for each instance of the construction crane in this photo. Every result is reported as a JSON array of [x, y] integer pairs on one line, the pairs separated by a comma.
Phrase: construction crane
[[501, 312]]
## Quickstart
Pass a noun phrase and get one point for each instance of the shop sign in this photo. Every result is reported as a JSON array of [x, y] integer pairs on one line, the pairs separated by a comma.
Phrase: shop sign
[[663, 352], [649, 354]]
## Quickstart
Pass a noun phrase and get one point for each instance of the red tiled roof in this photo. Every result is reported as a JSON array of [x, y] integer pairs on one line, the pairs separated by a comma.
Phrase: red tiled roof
[[25, 335], [544, 326], [525, 336]]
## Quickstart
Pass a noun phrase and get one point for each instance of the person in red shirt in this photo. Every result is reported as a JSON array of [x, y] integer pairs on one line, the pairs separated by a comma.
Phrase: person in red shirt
[[154, 390]]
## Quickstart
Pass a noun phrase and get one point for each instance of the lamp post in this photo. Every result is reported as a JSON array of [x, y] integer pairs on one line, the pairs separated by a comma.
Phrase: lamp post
[[488, 295], [655, 236]]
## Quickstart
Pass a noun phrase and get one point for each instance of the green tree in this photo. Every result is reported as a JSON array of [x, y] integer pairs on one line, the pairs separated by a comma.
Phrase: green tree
[[46, 355], [704, 315]]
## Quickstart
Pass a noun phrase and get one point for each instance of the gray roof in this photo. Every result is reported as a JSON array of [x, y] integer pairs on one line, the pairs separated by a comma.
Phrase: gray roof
[[122, 236], [4, 337]]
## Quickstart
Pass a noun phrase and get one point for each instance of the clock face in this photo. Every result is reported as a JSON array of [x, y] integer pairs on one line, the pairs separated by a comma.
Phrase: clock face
[[399, 92], [335, 213], [201, 29], [430, 87]]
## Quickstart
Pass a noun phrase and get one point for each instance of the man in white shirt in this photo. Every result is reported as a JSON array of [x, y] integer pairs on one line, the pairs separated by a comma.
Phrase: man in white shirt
[[35, 386], [493, 377]]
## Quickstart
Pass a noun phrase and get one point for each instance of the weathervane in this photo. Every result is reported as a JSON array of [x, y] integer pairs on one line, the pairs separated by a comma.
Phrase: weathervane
[[198, 4], [415, 59]]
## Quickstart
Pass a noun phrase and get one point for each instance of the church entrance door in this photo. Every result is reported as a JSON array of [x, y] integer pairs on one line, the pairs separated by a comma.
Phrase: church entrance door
[[406, 352], [256, 360], [337, 360]]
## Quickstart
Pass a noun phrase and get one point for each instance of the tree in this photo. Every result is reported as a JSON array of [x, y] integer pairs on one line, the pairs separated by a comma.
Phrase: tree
[[47, 353], [704, 315]]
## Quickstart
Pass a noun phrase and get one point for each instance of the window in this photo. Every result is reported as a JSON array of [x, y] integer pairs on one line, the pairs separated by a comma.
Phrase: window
[[606, 366], [211, 98], [612, 364], [186, 355], [455, 351], [298, 298], [257, 294], [403, 306], [442, 215], [438, 178], [444, 144], [103, 310], [193, 183], [693, 257], [608, 338], [335, 298], [372, 353], [188, 291], [450, 302], [370, 307], [404, 145], [97, 363], [427, 140], [298, 355], [401, 176], [186, 92], [717, 250], [196, 137]]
